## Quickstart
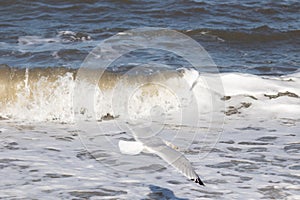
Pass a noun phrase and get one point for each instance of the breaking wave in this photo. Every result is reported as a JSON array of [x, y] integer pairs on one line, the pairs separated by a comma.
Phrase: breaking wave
[[47, 94]]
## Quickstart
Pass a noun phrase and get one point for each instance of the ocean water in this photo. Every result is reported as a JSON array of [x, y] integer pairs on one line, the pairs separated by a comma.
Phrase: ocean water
[[71, 87]]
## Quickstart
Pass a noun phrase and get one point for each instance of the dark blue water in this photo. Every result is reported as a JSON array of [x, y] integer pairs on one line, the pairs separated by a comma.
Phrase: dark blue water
[[245, 36]]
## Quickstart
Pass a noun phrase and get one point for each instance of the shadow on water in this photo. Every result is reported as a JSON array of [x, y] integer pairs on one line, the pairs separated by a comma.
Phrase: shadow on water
[[158, 192]]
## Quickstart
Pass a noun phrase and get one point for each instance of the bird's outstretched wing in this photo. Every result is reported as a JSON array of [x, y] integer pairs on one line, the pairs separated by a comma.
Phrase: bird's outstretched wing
[[175, 158]]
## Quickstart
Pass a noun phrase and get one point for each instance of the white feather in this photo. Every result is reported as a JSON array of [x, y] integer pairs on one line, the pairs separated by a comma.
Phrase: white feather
[[130, 147]]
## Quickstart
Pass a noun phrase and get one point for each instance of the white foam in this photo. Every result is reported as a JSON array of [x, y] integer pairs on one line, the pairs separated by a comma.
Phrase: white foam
[[236, 84], [33, 40], [43, 102], [171, 96], [62, 36]]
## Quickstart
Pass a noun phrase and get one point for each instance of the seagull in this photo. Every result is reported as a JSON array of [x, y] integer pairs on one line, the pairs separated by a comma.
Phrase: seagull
[[164, 150]]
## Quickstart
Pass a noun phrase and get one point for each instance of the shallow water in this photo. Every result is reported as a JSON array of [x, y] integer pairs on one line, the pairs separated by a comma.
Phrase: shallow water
[[254, 159]]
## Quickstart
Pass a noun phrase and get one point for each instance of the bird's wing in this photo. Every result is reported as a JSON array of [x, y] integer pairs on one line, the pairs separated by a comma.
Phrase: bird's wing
[[176, 159]]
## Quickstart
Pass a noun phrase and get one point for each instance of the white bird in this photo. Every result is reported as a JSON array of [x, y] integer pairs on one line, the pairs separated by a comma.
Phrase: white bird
[[164, 150]]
